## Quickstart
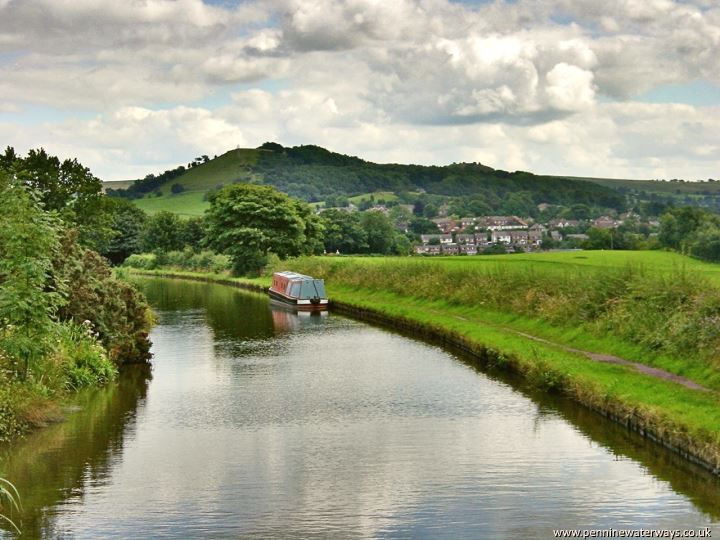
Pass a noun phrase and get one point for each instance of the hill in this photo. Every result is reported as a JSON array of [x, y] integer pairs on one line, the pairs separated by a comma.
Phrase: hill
[[670, 192], [314, 174]]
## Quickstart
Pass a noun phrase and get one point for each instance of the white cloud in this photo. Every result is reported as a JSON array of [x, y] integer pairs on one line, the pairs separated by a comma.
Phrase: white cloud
[[521, 85]]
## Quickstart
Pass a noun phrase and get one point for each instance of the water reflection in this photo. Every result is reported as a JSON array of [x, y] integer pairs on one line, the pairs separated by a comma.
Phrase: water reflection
[[260, 421], [54, 467]]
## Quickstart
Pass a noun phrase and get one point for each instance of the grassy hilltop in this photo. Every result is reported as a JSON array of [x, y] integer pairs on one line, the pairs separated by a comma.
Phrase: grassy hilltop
[[314, 174]]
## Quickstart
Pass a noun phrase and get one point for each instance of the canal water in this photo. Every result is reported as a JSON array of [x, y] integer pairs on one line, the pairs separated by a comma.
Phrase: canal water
[[259, 422]]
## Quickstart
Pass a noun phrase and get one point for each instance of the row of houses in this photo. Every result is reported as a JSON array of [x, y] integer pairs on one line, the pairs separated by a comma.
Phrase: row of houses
[[510, 223], [471, 244]]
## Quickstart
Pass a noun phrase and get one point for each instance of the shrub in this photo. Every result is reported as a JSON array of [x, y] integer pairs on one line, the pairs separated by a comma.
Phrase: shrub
[[142, 261]]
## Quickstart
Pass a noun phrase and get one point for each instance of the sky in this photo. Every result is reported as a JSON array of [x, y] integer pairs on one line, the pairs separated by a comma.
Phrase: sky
[[612, 88]]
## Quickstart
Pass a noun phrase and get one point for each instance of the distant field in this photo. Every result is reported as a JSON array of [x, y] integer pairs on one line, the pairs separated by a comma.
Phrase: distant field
[[652, 186], [378, 195], [189, 203], [120, 184], [654, 262]]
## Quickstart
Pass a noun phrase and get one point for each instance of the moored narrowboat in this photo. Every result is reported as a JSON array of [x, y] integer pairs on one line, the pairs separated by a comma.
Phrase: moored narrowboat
[[299, 291]]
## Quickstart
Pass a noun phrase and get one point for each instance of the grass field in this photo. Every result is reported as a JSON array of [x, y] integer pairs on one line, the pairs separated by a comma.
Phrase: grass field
[[186, 204], [564, 262], [233, 166]]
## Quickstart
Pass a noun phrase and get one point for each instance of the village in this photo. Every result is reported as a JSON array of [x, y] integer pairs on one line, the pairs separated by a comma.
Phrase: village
[[473, 235]]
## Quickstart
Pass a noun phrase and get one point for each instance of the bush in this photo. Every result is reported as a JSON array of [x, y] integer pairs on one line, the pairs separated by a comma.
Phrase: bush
[[187, 259], [142, 261], [85, 362]]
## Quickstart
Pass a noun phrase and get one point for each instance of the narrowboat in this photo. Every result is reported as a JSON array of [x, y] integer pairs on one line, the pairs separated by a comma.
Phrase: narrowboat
[[301, 292]]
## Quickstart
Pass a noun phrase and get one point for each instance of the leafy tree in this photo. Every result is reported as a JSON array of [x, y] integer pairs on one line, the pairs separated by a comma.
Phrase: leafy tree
[[343, 232], [423, 226], [163, 232], [430, 210], [176, 188], [28, 243], [128, 224], [67, 187], [679, 224], [380, 231], [705, 244], [248, 221], [193, 233]]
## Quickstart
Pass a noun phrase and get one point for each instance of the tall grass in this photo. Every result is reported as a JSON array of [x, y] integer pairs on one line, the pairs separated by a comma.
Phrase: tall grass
[[9, 497], [675, 313]]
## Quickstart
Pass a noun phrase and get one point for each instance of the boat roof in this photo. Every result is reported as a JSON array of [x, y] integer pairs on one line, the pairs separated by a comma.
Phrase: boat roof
[[295, 276]]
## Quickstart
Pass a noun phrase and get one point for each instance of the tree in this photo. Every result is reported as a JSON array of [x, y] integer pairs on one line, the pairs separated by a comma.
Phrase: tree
[[706, 244], [67, 187], [128, 224], [28, 243], [247, 221], [193, 233], [343, 232], [423, 226], [176, 188], [679, 224], [379, 230], [163, 232]]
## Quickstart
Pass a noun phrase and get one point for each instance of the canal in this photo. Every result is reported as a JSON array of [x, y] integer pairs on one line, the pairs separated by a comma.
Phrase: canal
[[255, 421]]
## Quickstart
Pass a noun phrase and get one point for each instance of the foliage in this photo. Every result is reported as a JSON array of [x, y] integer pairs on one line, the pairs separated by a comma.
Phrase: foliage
[[693, 231], [128, 224], [187, 259], [85, 361], [163, 232], [343, 232], [118, 312], [10, 494], [380, 232], [67, 187], [28, 302], [248, 221]]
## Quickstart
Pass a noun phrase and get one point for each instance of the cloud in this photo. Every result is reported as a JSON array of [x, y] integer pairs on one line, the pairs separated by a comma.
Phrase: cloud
[[548, 86]]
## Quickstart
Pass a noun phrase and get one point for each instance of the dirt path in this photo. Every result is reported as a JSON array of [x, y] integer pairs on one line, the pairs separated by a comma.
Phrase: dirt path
[[609, 359]]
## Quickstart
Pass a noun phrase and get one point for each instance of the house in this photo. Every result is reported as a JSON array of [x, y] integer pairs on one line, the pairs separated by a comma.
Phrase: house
[[606, 222], [428, 249], [560, 223], [535, 236], [499, 223], [465, 239], [427, 239], [446, 225], [519, 238], [450, 249], [467, 222], [555, 235], [468, 249], [500, 237]]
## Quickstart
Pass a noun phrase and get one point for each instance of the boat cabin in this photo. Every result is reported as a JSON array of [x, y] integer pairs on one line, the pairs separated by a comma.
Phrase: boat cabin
[[299, 290]]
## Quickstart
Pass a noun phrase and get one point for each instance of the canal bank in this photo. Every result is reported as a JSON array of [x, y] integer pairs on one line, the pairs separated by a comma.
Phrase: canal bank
[[674, 416]]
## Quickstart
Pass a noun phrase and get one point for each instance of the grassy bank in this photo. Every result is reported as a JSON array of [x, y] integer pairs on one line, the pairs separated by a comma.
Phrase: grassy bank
[[495, 310]]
